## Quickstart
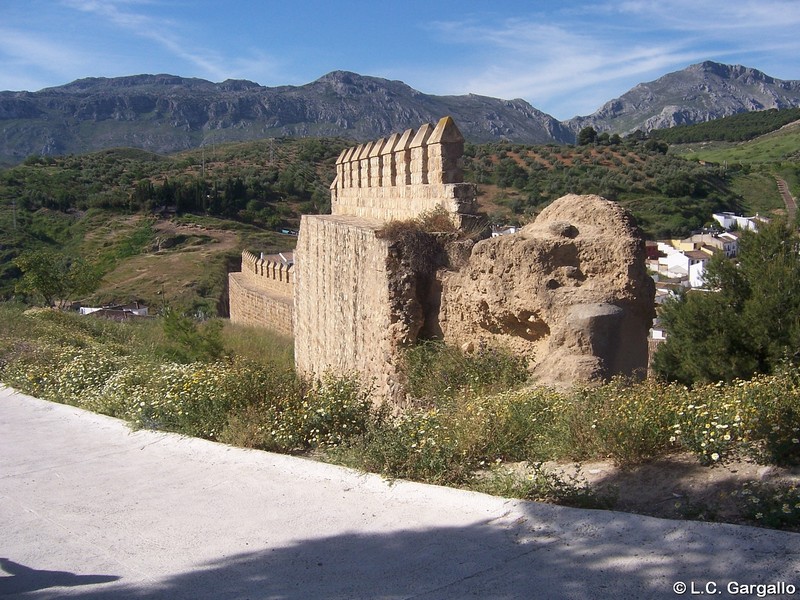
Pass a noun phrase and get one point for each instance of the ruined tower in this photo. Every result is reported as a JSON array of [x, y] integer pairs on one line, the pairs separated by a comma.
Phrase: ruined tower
[[351, 310]]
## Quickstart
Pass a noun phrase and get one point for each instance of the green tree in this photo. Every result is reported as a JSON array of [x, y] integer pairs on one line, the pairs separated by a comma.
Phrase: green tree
[[749, 324], [587, 135], [55, 277]]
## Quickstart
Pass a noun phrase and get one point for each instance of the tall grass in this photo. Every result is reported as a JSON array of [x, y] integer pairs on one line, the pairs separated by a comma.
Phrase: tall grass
[[435, 371], [259, 345]]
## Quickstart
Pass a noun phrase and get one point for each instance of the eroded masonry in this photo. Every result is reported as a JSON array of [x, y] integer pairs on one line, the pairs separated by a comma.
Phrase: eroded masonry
[[569, 291], [357, 304]]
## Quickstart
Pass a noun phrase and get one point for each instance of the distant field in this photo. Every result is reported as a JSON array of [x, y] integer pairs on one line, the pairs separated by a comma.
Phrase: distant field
[[776, 147]]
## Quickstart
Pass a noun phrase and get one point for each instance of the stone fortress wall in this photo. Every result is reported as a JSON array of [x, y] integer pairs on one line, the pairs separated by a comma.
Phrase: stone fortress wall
[[263, 293], [350, 316], [404, 175], [569, 291]]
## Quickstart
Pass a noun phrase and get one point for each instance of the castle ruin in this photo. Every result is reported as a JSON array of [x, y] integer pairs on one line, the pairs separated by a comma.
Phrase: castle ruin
[[356, 306], [570, 291], [262, 293]]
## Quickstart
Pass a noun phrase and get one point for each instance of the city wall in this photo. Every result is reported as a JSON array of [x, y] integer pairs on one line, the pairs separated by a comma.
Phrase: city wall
[[343, 316], [356, 305], [404, 175], [262, 293]]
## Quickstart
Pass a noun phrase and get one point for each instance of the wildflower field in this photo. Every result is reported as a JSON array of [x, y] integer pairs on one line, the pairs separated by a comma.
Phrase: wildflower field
[[471, 416]]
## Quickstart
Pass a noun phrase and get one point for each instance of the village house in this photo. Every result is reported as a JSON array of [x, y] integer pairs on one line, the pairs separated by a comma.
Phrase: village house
[[729, 220]]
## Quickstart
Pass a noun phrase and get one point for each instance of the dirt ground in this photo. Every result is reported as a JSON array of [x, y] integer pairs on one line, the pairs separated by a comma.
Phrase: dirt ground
[[179, 260], [677, 486]]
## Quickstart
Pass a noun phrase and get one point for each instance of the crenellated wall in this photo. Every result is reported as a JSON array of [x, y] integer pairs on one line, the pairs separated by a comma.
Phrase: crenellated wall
[[356, 303], [262, 293], [268, 273], [404, 175]]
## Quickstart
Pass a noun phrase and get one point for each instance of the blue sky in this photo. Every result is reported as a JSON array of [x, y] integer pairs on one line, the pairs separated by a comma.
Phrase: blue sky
[[565, 58]]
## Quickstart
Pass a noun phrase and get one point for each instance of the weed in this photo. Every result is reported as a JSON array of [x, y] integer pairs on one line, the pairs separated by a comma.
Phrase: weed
[[627, 422], [770, 505], [435, 370], [191, 341], [543, 485]]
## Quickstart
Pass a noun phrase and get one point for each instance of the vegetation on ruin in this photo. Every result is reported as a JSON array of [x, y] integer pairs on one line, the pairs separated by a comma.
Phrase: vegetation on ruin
[[474, 415]]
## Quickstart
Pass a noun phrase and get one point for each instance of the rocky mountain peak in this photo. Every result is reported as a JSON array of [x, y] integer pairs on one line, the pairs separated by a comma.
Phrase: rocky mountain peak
[[166, 113], [701, 92]]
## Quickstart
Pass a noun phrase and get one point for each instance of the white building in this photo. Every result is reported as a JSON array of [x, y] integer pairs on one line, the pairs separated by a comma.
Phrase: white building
[[729, 220]]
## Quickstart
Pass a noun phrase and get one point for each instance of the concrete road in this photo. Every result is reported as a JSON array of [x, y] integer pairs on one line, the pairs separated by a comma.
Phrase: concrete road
[[89, 509]]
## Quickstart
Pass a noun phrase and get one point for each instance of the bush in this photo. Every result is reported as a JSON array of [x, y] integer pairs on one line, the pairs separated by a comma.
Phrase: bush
[[190, 341], [419, 445], [760, 417], [320, 415], [629, 423], [521, 425]]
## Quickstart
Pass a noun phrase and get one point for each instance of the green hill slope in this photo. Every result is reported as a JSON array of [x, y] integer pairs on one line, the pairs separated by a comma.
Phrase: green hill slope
[[165, 229], [773, 148]]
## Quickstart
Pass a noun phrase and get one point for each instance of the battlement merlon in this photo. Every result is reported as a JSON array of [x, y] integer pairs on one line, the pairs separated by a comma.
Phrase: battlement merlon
[[403, 175], [260, 270]]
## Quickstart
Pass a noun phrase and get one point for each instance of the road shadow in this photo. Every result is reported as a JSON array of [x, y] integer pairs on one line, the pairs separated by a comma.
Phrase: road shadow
[[25, 579], [537, 552]]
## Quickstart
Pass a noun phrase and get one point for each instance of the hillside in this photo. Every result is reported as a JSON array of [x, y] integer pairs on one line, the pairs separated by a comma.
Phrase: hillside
[[165, 229], [133, 214], [780, 146], [736, 128], [166, 114], [668, 195], [753, 164]]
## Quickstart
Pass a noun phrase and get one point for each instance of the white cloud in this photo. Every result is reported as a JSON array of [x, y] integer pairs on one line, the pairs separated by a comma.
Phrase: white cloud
[[171, 35], [600, 50], [544, 62], [714, 17], [160, 31], [32, 59]]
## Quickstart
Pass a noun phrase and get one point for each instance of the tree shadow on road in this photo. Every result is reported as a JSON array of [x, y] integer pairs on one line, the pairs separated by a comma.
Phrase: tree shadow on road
[[535, 551], [24, 579]]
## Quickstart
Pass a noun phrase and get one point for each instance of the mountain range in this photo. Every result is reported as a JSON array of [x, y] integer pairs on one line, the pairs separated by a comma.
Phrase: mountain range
[[166, 113]]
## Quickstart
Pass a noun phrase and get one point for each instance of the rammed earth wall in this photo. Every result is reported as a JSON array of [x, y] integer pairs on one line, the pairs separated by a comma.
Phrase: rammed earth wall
[[343, 321]]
